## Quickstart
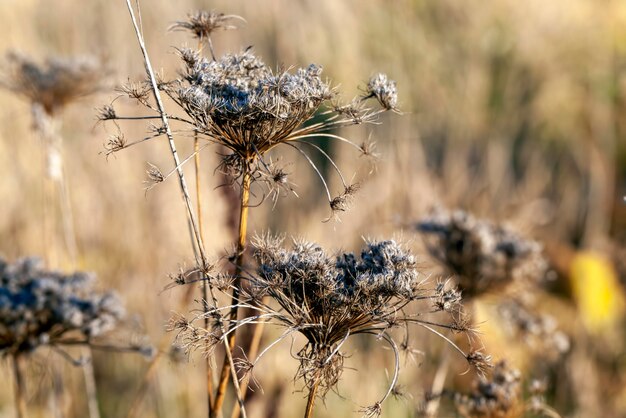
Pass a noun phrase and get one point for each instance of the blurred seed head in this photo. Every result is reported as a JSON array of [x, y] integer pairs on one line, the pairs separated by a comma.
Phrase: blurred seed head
[[540, 332], [54, 83], [39, 307], [493, 397], [485, 256]]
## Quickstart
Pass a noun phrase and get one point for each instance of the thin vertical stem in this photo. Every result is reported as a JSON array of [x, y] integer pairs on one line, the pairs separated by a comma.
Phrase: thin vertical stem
[[252, 351], [20, 392], [310, 403], [205, 286], [90, 385], [241, 244]]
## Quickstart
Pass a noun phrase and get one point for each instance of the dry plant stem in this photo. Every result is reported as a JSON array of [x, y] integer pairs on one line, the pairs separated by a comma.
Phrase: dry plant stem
[[205, 286], [20, 392], [310, 403], [252, 351], [241, 244], [48, 127], [438, 383], [205, 290], [181, 176], [90, 384], [168, 132]]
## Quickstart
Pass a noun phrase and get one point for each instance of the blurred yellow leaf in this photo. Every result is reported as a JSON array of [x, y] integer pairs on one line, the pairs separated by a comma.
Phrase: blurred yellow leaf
[[597, 292]]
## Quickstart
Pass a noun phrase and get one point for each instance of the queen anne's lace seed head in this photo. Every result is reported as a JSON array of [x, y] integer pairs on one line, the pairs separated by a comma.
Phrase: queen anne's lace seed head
[[484, 255], [203, 23], [240, 102], [54, 83], [328, 298], [41, 307]]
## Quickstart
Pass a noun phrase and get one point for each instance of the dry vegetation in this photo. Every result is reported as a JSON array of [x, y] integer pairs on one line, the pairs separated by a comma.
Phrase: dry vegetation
[[467, 208]]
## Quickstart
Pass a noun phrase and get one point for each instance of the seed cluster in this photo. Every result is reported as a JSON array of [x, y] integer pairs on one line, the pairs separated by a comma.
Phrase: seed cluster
[[496, 397], [329, 298], [56, 82], [239, 100], [40, 307], [485, 256]]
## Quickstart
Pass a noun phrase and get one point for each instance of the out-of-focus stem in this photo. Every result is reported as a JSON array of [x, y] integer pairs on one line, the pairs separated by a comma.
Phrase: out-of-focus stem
[[20, 395], [241, 244]]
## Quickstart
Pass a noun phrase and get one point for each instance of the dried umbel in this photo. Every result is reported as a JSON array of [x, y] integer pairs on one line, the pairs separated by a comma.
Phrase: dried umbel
[[485, 256], [239, 102], [203, 23], [495, 397], [329, 298], [54, 83], [39, 307]]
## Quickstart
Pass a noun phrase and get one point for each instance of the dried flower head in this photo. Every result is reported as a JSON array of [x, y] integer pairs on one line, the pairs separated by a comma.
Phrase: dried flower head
[[494, 397], [484, 256], [329, 298], [56, 82], [39, 307], [203, 23], [384, 90], [240, 103]]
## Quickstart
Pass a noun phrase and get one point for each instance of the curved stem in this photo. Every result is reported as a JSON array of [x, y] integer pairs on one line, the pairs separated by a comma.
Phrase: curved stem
[[241, 244]]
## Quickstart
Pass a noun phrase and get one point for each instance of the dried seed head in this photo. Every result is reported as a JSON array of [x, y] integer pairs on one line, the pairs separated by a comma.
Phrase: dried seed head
[[106, 112], [480, 361], [372, 411], [485, 256], [536, 330], [384, 90], [155, 176], [203, 23], [115, 143], [497, 396], [55, 83], [343, 202], [40, 307], [241, 103]]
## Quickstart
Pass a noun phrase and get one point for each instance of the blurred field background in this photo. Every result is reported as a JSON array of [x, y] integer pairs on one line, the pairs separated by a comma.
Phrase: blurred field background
[[513, 110]]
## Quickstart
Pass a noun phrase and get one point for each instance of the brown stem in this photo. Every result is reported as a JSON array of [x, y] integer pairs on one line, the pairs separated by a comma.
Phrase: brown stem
[[20, 392], [241, 244], [205, 287], [311, 400], [252, 352]]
